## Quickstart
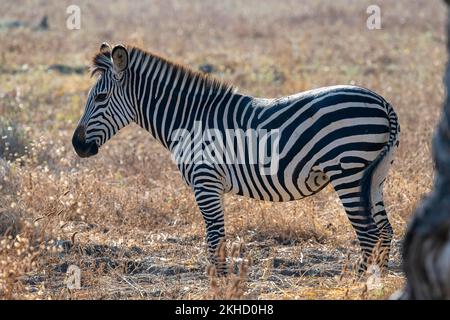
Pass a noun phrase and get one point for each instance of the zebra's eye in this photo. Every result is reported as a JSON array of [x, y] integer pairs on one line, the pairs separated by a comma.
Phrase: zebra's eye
[[100, 97]]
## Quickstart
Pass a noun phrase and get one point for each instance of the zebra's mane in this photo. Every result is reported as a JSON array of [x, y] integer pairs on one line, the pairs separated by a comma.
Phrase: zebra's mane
[[102, 62], [207, 80]]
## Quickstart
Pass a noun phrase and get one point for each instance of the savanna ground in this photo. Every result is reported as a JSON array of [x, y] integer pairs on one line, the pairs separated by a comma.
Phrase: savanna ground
[[125, 218]]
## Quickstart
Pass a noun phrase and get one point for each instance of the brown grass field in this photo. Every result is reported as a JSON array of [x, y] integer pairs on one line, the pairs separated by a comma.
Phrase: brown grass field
[[125, 217]]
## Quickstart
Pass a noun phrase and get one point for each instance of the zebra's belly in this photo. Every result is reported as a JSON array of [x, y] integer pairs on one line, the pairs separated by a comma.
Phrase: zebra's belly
[[279, 187]]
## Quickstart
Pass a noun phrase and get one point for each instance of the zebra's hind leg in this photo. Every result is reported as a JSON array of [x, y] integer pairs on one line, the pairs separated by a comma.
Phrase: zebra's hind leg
[[346, 183], [383, 249], [375, 191]]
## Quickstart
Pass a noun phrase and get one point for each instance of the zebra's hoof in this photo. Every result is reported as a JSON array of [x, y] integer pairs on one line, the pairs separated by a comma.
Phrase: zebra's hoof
[[215, 270], [222, 273]]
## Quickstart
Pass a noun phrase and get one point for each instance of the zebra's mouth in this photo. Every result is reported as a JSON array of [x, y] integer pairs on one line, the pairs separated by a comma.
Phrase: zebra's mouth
[[91, 150], [88, 150]]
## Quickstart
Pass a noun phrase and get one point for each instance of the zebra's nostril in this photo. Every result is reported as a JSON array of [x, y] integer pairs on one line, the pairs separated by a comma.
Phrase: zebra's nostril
[[80, 133], [82, 148], [79, 137]]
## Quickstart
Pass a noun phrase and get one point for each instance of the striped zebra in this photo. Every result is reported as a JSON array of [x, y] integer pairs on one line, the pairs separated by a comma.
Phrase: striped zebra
[[343, 135]]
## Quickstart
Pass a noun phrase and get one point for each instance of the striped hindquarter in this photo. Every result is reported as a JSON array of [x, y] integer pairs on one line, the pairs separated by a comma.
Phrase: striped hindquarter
[[345, 136]]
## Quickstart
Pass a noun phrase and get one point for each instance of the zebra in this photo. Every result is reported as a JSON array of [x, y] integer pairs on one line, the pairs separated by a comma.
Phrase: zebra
[[345, 136]]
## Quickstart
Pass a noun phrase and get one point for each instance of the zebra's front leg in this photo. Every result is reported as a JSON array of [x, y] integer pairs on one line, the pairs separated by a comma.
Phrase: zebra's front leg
[[210, 203]]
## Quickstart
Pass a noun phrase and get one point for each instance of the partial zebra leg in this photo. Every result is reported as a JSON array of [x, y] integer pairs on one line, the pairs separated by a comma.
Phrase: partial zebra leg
[[346, 183], [378, 211], [386, 234], [209, 200]]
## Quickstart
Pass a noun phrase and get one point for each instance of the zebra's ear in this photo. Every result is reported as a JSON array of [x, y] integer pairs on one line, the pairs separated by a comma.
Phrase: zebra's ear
[[105, 48], [120, 58]]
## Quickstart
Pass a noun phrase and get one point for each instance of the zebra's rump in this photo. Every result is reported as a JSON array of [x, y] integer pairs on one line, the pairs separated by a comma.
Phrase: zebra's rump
[[331, 133]]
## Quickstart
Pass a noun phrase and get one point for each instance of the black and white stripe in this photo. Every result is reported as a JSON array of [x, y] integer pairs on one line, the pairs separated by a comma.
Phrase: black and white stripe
[[343, 135]]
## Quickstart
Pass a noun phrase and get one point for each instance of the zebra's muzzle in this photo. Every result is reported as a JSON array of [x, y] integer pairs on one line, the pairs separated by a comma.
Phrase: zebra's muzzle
[[82, 148]]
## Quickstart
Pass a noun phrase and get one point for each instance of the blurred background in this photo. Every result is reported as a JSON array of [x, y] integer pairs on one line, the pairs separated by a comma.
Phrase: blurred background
[[125, 218]]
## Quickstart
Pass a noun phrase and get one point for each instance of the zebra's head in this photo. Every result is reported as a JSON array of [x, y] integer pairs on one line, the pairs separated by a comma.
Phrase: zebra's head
[[108, 107]]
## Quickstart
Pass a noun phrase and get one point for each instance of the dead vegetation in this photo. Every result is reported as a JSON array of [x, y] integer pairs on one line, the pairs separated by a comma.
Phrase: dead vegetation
[[126, 219]]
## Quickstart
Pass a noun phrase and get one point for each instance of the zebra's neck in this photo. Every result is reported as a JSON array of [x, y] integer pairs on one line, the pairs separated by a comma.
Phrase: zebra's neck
[[171, 97]]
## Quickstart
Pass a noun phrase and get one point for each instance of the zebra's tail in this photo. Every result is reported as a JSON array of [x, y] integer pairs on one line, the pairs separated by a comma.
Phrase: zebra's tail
[[377, 171]]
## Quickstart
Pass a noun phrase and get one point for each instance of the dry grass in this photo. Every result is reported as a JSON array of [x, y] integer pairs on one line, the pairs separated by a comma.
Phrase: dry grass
[[126, 218]]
